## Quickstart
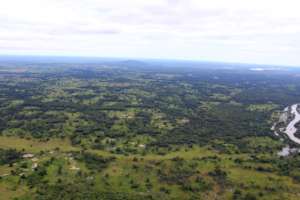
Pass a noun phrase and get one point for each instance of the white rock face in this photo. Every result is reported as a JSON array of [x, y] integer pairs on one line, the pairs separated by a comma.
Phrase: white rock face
[[287, 151], [283, 117], [291, 129]]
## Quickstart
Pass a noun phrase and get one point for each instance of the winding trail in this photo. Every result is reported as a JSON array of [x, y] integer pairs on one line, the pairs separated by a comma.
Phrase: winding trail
[[291, 129]]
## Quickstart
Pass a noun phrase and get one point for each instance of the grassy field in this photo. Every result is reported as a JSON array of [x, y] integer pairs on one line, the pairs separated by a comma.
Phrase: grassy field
[[34, 145], [143, 174]]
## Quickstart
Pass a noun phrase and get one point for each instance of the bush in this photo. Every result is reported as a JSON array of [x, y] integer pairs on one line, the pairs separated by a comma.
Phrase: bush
[[9, 156]]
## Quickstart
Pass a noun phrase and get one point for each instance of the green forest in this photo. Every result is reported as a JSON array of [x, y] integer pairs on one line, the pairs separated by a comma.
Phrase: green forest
[[127, 130]]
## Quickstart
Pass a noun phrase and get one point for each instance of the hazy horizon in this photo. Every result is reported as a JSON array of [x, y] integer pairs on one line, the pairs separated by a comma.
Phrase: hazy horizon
[[98, 59]]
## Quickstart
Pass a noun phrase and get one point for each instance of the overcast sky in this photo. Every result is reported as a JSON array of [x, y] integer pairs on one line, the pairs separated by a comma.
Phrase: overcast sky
[[250, 31]]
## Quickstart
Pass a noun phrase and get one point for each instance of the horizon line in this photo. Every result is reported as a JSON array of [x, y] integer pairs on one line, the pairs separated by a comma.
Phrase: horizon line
[[148, 59]]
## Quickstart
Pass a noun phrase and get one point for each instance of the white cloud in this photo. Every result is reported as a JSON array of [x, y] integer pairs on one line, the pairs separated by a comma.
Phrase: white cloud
[[261, 31]]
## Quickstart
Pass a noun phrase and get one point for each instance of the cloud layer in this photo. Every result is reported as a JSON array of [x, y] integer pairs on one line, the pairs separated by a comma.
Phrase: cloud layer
[[255, 31]]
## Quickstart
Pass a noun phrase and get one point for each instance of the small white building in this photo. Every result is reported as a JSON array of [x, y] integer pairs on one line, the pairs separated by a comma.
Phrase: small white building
[[28, 155]]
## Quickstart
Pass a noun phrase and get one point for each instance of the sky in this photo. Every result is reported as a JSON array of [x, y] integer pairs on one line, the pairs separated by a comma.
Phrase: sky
[[247, 31]]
